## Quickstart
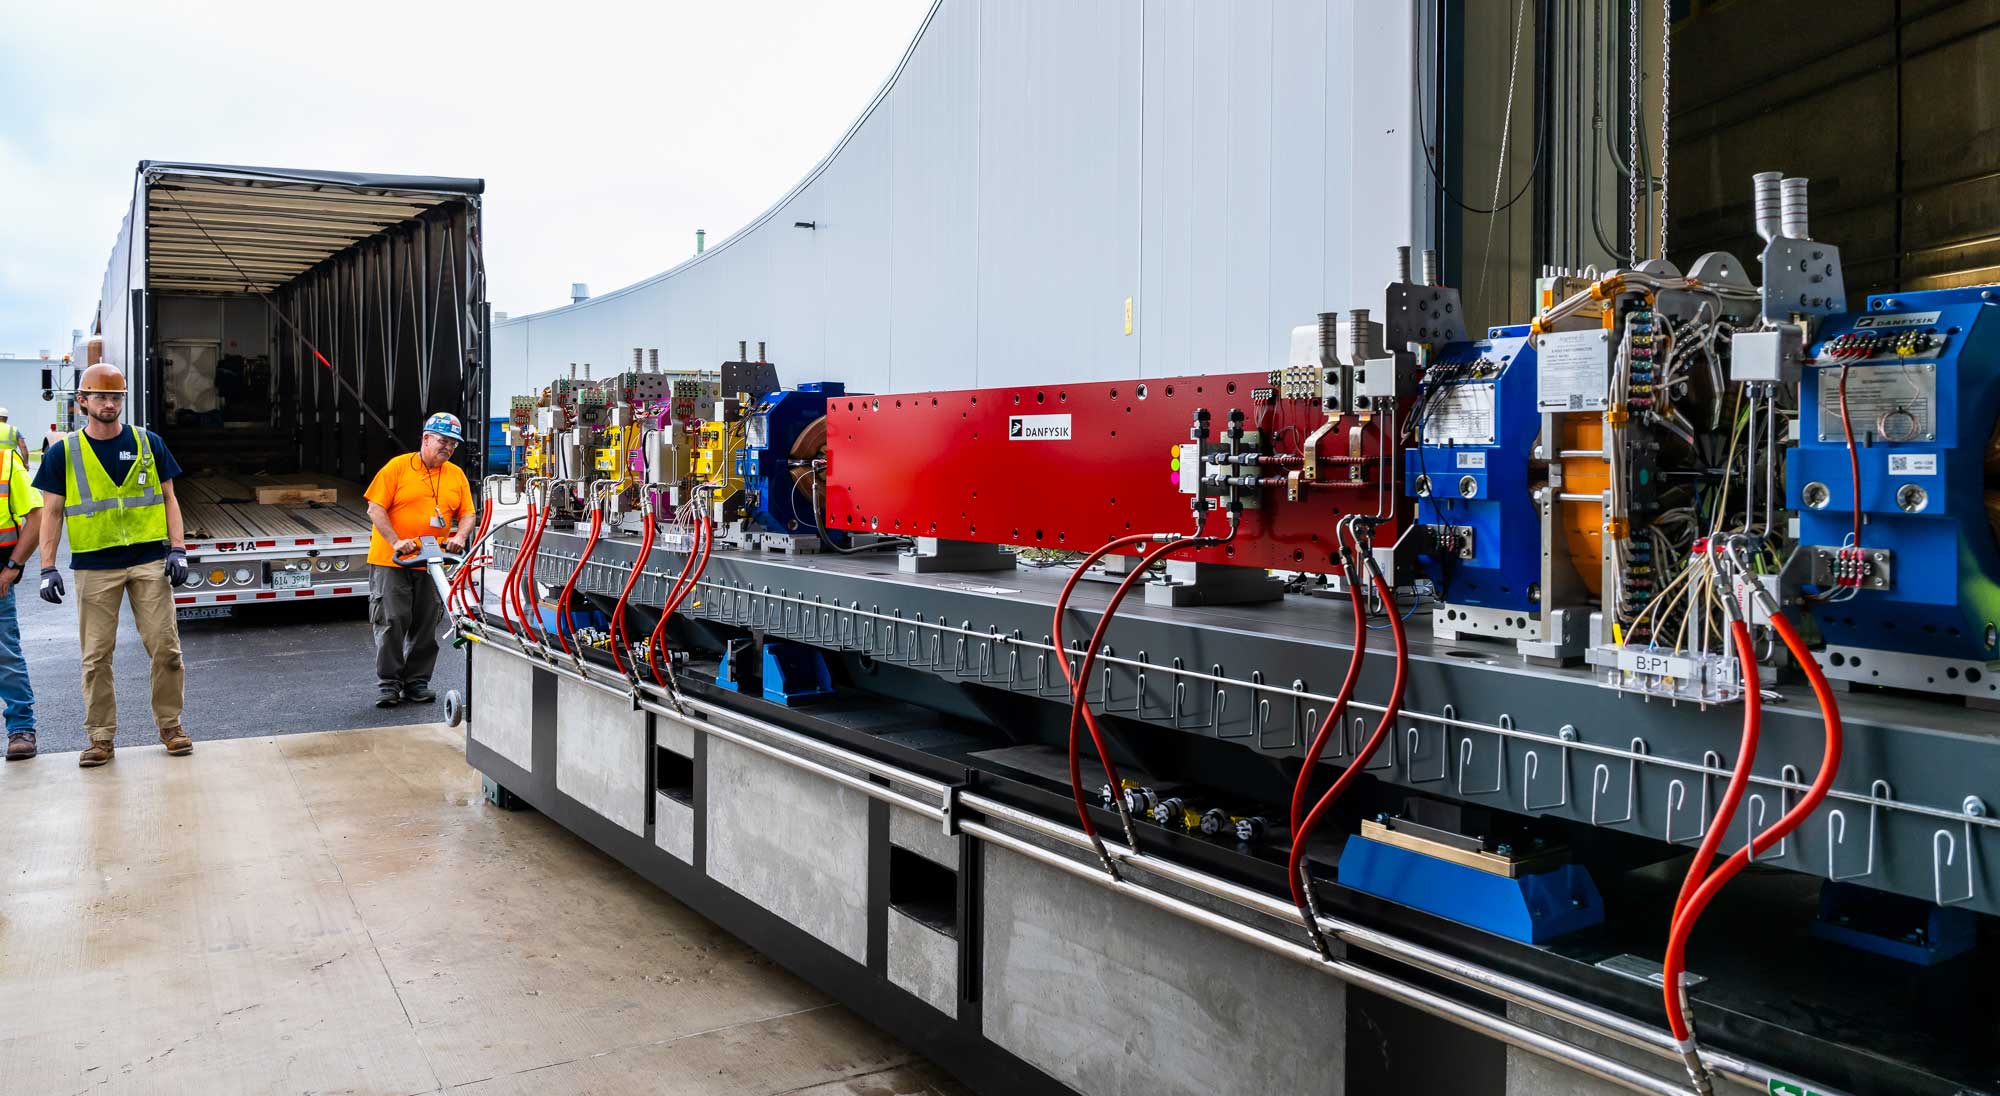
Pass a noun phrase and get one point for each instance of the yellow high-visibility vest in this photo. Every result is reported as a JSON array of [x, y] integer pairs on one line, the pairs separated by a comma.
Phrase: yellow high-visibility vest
[[100, 512], [10, 530]]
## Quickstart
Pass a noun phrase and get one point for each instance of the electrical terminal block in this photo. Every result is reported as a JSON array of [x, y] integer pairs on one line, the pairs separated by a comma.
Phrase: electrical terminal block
[[1702, 678]]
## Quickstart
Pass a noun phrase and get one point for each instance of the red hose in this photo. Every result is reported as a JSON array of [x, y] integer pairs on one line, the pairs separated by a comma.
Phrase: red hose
[[1383, 728], [1853, 456], [460, 581], [684, 584], [1079, 710], [531, 551], [510, 598], [618, 613], [1062, 662], [1739, 780], [1339, 709], [1675, 963], [565, 627]]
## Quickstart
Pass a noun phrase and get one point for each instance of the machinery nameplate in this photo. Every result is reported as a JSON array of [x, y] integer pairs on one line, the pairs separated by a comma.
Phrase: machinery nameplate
[[1884, 402], [1573, 371], [1461, 415]]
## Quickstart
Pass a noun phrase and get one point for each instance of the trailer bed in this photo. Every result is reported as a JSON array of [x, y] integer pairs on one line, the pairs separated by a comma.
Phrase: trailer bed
[[252, 546], [225, 509]]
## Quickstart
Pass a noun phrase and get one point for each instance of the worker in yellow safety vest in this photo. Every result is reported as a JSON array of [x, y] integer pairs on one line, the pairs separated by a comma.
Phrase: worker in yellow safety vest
[[111, 488], [11, 437], [18, 536]]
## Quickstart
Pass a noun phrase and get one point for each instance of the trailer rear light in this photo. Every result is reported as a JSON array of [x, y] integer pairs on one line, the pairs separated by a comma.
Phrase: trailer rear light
[[243, 576], [217, 577], [193, 580], [323, 566], [342, 564]]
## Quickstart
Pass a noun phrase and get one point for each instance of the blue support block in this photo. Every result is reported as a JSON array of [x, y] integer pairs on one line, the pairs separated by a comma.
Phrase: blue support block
[[725, 674], [1907, 929], [581, 618], [794, 673], [1532, 908]]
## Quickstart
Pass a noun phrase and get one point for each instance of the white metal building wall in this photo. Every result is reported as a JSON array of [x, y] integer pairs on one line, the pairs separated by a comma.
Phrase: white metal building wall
[[1234, 169]]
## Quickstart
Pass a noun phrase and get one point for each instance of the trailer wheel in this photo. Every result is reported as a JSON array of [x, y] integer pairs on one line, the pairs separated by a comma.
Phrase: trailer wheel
[[454, 708]]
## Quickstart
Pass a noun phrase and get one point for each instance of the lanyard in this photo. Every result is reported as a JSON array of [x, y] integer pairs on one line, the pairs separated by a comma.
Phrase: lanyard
[[431, 484]]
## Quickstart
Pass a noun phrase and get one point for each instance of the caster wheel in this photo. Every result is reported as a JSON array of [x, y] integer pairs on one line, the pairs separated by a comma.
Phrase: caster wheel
[[454, 708]]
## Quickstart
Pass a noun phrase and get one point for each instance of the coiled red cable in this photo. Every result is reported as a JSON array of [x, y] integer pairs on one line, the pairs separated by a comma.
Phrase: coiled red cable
[[1383, 728], [1062, 662], [1674, 965], [1079, 682]]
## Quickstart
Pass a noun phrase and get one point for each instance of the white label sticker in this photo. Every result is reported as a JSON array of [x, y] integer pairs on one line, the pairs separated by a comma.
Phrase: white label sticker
[[1634, 661], [1474, 459], [1913, 464], [1462, 414], [1573, 371], [1038, 428], [1901, 319]]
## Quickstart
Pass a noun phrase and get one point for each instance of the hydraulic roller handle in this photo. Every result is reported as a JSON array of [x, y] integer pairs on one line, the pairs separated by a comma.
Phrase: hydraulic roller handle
[[430, 556]]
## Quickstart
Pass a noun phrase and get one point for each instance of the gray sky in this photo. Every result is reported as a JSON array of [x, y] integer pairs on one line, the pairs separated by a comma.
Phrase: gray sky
[[606, 133]]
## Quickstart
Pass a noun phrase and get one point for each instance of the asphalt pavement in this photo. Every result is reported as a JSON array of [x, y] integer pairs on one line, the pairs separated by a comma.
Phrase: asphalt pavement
[[266, 669]]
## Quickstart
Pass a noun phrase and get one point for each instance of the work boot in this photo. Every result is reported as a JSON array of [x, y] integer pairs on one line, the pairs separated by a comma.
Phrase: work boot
[[97, 754], [176, 741], [20, 745], [389, 697], [418, 694]]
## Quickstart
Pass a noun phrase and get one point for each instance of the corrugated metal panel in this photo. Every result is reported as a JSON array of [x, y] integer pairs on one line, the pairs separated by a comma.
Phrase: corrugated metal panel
[[1233, 169], [934, 250]]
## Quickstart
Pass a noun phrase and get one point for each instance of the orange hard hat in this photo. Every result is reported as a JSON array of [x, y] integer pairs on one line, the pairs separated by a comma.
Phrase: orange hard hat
[[102, 377]]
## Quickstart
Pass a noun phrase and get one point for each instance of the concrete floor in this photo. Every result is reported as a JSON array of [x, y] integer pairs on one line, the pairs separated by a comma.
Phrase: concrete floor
[[342, 912]]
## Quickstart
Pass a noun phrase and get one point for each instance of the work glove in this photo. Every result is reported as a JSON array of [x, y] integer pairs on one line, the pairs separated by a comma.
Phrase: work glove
[[52, 586], [177, 566]]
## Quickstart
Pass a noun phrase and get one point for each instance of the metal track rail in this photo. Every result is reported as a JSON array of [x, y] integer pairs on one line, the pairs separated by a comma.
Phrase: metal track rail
[[732, 603], [819, 757]]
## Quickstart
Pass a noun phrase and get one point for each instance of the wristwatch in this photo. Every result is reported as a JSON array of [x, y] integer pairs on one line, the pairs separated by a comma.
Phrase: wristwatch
[[16, 565]]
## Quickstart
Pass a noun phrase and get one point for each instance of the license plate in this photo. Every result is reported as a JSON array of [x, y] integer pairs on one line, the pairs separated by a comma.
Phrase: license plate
[[291, 580]]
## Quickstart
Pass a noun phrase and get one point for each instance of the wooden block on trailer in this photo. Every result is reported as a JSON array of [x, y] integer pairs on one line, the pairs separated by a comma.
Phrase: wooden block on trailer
[[297, 495]]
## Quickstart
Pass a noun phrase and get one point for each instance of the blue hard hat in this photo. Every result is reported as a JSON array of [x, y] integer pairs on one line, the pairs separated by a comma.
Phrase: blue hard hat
[[444, 424]]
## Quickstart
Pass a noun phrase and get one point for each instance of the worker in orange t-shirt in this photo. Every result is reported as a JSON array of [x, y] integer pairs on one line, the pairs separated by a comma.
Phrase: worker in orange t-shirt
[[420, 494]]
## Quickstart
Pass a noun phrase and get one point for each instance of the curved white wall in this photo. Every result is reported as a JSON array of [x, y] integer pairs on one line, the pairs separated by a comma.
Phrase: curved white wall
[[1233, 168]]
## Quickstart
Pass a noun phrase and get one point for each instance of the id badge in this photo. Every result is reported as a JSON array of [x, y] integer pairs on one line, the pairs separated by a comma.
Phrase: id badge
[[437, 522]]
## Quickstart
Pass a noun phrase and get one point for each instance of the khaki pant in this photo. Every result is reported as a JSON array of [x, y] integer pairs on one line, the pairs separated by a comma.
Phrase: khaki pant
[[99, 594]]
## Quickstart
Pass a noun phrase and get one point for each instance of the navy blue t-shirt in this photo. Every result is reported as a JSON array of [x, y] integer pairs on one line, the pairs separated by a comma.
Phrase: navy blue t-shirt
[[117, 456]]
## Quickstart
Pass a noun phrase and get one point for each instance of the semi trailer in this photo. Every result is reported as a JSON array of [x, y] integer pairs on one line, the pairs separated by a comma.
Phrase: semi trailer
[[285, 332]]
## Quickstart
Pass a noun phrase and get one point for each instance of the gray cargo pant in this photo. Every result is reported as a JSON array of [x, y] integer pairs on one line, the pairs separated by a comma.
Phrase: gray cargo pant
[[403, 606]]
